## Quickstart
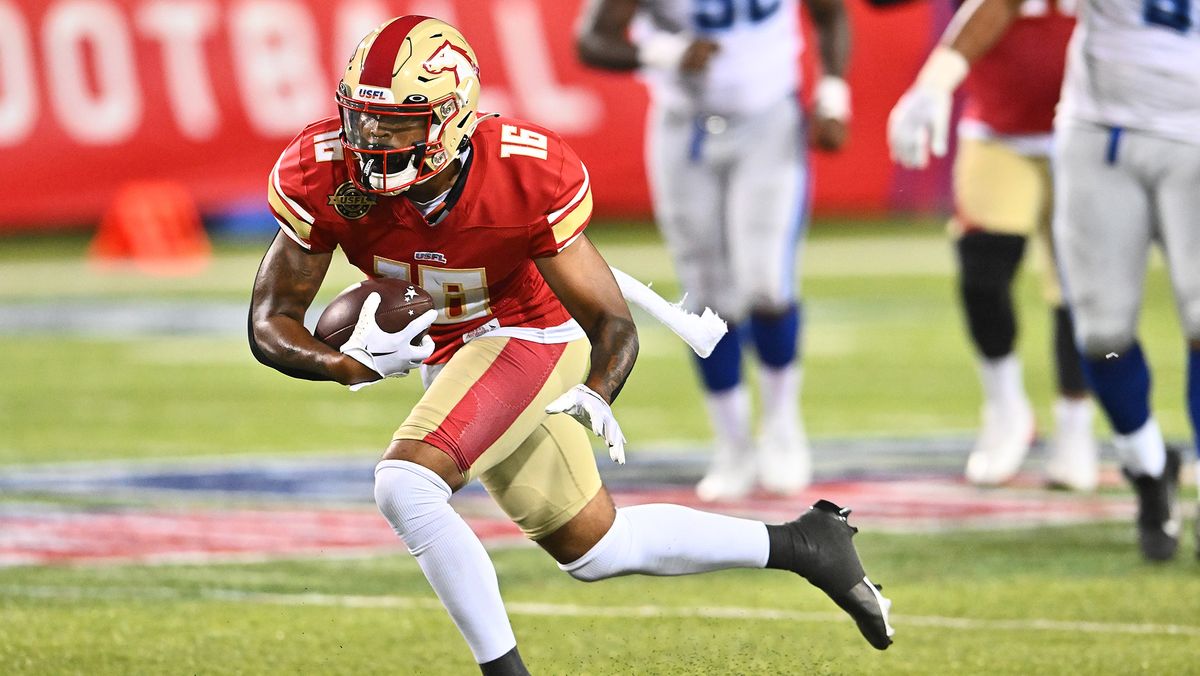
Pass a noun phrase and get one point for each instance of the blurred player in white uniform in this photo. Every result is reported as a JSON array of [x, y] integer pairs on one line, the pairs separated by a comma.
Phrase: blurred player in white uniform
[[1003, 196], [1127, 173], [727, 158]]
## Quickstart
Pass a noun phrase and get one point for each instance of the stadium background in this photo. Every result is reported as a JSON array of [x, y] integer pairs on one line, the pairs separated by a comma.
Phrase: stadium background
[[167, 505], [207, 92]]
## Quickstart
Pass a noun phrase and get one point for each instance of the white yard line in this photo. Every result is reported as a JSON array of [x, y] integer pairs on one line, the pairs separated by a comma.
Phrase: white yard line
[[1031, 624]]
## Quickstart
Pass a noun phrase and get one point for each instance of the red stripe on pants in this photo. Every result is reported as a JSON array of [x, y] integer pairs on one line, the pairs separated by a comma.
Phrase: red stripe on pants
[[501, 394]]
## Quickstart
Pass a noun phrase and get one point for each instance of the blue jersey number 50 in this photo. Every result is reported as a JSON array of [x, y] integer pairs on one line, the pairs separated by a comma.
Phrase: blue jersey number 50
[[713, 15], [1174, 14]]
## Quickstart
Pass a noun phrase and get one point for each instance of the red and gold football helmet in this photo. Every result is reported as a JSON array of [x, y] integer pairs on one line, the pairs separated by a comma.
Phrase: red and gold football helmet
[[408, 101]]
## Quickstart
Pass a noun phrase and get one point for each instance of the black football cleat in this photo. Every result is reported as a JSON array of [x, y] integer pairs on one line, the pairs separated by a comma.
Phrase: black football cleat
[[818, 547], [1158, 520]]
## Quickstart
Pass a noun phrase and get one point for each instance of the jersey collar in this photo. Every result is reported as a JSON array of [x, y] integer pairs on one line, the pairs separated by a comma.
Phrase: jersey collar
[[441, 211]]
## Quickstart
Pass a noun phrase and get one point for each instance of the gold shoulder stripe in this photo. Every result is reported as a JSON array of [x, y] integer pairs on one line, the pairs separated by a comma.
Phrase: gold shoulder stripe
[[570, 224], [301, 228], [287, 230]]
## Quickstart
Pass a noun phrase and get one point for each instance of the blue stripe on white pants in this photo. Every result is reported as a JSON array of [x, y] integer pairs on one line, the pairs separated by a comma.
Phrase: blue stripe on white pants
[[1114, 145], [1193, 396], [767, 208], [799, 229]]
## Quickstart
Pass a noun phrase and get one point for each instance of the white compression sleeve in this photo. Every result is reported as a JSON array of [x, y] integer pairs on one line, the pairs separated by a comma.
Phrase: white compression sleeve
[[665, 539], [414, 500]]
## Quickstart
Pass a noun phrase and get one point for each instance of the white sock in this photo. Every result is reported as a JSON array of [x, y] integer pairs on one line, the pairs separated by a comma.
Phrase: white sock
[[1002, 380], [664, 539], [415, 502], [780, 390], [729, 411], [1142, 452], [1071, 413]]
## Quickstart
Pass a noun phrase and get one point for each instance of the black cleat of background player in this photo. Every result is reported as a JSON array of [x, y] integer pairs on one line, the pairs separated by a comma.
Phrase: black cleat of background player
[[1158, 521], [818, 547]]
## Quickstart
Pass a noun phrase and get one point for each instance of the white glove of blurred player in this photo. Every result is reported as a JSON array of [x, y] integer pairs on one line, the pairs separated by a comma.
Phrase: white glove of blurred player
[[920, 121], [590, 409], [391, 355]]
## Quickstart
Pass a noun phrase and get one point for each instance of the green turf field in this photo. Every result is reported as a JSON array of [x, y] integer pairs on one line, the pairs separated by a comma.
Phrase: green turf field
[[885, 357], [1046, 602]]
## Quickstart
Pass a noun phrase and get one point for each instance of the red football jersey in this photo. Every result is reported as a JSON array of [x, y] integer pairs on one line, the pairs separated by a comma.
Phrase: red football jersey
[[1014, 87], [526, 196]]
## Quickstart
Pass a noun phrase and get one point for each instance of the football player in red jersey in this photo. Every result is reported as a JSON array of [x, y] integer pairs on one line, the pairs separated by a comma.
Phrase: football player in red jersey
[[1003, 196], [487, 213]]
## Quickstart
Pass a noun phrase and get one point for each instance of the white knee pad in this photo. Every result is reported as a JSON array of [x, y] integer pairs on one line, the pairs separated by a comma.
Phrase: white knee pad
[[1098, 338], [414, 500], [767, 293], [608, 557]]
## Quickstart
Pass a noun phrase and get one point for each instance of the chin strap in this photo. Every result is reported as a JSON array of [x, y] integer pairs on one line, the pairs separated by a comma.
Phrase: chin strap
[[701, 331]]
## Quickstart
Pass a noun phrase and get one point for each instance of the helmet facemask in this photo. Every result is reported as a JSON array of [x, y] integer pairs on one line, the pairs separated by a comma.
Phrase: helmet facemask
[[390, 148]]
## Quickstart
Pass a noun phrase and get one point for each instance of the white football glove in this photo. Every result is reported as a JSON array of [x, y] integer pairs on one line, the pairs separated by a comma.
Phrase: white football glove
[[920, 121], [388, 354], [590, 409]]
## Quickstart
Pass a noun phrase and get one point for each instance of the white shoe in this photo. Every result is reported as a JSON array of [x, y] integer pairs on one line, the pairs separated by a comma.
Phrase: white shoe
[[1074, 460], [784, 459], [1003, 442], [730, 476]]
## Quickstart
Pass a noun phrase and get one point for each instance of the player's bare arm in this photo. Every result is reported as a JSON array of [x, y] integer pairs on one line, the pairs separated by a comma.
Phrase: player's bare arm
[[603, 42], [978, 25], [919, 124], [583, 282], [833, 34], [832, 97], [287, 281]]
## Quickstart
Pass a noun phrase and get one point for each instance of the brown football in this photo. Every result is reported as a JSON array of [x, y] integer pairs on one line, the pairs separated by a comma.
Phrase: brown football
[[399, 303]]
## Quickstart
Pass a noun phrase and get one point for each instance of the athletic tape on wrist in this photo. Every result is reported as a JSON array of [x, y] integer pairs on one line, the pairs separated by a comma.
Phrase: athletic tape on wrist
[[831, 98], [944, 70], [663, 50]]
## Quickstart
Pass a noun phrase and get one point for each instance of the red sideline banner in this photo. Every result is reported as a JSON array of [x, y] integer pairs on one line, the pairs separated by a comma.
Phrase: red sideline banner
[[97, 93]]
